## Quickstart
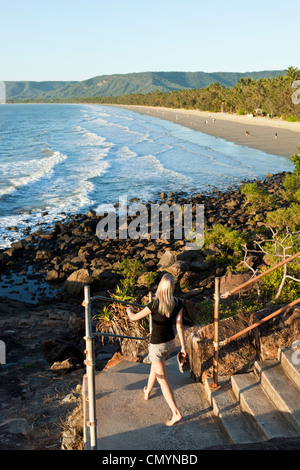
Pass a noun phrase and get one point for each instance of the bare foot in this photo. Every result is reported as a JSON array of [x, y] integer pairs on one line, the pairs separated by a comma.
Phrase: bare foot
[[146, 394], [175, 418]]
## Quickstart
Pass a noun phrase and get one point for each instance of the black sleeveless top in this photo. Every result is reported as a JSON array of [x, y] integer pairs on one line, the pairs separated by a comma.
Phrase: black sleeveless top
[[162, 326]]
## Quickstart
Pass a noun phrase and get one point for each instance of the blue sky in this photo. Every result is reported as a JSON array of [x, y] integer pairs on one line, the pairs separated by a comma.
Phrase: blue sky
[[76, 40]]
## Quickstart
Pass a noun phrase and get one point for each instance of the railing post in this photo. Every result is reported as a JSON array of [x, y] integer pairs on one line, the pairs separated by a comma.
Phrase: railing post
[[214, 384], [90, 369]]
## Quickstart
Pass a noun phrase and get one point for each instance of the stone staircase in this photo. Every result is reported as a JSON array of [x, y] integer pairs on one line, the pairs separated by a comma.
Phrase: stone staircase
[[247, 408], [261, 405]]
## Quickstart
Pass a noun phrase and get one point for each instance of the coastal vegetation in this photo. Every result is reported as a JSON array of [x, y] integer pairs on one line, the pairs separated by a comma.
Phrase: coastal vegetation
[[267, 93], [270, 97], [124, 84]]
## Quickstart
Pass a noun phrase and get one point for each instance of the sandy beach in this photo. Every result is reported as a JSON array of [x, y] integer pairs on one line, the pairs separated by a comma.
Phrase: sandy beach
[[273, 136]]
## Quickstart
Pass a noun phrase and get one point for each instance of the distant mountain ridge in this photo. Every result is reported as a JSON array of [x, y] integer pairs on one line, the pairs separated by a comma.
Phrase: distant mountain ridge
[[123, 84]]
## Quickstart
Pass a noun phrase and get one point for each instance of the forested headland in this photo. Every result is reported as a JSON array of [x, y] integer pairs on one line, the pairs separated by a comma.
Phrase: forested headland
[[273, 97]]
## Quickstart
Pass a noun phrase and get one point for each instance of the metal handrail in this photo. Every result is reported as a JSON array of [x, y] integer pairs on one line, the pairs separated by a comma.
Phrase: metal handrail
[[217, 297], [109, 299], [263, 320], [90, 356], [268, 271], [122, 336]]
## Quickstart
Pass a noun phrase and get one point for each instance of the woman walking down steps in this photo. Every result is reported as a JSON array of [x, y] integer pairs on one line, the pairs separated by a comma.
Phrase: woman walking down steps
[[165, 310]]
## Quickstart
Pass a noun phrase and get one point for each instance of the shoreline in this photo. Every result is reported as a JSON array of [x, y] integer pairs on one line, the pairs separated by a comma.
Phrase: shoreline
[[47, 334], [38, 265], [233, 128]]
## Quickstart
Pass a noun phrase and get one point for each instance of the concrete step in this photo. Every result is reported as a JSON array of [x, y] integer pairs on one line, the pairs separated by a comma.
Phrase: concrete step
[[290, 361], [281, 390], [267, 419], [226, 407], [125, 421]]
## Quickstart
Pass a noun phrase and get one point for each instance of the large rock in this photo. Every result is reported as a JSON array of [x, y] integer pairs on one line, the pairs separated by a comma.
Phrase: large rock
[[166, 260], [192, 311], [75, 283], [58, 351], [235, 279], [279, 332], [15, 426], [200, 266], [188, 254], [64, 367], [237, 356], [177, 269]]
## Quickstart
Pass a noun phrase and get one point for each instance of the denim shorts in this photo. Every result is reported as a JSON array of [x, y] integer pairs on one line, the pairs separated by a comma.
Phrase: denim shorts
[[160, 351]]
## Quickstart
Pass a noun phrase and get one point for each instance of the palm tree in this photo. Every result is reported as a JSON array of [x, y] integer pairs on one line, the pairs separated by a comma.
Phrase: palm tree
[[292, 74]]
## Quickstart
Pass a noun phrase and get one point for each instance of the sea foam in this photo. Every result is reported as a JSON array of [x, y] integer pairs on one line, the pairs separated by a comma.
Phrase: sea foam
[[23, 173]]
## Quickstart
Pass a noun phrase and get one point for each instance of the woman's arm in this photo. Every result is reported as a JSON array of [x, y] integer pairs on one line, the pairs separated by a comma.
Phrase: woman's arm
[[137, 316], [179, 328]]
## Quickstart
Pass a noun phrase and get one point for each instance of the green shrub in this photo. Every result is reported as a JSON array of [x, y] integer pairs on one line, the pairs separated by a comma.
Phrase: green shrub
[[150, 278], [231, 242], [257, 196], [243, 306], [291, 182], [270, 283], [129, 270], [285, 218], [292, 119], [296, 160], [230, 239]]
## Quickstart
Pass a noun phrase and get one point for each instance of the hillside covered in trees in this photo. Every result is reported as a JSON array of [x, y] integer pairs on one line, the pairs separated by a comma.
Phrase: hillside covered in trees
[[265, 96], [124, 84]]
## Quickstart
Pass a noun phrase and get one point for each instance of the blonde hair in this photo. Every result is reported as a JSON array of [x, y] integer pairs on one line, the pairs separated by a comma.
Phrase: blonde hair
[[164, 294]]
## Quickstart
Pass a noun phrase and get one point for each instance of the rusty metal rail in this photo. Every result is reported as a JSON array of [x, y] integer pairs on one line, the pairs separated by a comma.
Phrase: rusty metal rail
[[260, 322], [265, 273], [217, 297]]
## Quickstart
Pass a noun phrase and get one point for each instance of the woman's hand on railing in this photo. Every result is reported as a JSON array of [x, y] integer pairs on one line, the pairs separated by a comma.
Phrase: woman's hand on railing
[[130, 313], [225, 295], [84, 304]]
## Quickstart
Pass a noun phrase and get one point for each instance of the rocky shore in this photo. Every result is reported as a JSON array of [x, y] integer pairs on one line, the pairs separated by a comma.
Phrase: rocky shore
[[40, 382], [61, 260]]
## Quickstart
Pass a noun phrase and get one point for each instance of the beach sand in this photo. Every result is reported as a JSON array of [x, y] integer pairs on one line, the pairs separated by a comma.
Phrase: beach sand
[[256, 132]]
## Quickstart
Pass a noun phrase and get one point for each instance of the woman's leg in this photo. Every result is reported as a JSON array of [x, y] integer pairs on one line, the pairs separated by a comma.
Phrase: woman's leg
[[151, 382], [159, 368]]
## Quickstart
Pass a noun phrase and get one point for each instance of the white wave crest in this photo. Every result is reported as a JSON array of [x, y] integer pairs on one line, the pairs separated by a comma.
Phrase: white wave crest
[[20, 174], [125, 152], [91, 138], [161, 170]]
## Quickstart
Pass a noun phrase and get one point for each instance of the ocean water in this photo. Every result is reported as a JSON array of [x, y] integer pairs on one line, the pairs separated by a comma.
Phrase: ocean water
[[58, 158]]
